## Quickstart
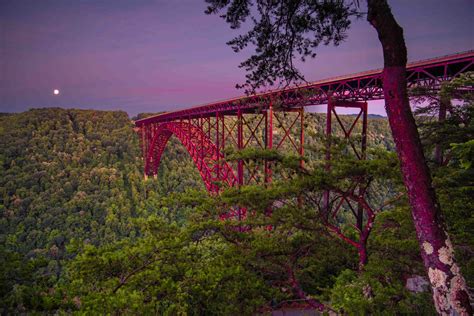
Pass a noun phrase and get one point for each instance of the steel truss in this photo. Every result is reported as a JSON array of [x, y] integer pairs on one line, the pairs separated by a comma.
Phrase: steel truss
[[211, 131], [334, 201], [210, 140]]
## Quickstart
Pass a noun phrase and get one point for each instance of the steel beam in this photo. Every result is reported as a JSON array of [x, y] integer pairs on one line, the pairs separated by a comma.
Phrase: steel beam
[[356, 87], [268, 140], [240, 162]]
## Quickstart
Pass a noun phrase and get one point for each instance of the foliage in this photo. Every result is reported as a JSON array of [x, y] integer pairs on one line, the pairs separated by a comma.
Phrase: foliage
[[168, 272], [456, 126], [283, 28], [82, 231], [380, 288], [70, 177], [281, 31]]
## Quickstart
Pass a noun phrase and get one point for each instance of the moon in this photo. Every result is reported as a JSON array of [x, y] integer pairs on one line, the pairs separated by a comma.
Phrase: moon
[[55, 91]]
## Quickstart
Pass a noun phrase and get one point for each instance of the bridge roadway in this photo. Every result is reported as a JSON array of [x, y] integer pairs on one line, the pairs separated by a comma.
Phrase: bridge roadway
[[363, 86]]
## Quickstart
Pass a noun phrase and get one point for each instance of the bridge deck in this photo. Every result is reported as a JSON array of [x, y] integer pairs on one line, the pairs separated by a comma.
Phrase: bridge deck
[[361, 86]]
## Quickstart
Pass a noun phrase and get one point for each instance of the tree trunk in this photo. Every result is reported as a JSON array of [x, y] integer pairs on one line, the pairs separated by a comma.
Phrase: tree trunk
[[299, 291], [363, 258], [449, 287]]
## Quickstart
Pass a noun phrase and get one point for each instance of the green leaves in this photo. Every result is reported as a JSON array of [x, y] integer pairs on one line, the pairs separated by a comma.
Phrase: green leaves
[[71, 179], [465, 153], [165, 272]]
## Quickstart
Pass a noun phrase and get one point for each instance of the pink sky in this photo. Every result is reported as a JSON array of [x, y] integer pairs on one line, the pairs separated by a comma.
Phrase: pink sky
[[150, 56]]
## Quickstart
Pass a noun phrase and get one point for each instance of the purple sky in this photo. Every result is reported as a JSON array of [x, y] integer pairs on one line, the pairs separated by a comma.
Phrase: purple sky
[[150, 55]]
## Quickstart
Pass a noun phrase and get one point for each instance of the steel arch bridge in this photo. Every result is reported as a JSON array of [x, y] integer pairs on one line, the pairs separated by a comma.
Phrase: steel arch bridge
[[256, 121]]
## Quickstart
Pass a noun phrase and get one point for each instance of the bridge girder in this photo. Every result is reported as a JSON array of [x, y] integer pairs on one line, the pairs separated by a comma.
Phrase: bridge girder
[[364, 86], [208, 131]]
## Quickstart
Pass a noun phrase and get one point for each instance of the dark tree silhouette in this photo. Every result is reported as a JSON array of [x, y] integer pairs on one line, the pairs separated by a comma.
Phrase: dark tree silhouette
[[285, 29]]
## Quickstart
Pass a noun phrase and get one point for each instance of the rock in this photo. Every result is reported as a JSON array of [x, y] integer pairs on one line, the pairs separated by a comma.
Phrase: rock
[[417, 284], [367, 291]]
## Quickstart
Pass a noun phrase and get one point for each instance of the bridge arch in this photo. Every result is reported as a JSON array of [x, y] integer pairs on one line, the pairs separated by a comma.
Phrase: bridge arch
[[207, 158]]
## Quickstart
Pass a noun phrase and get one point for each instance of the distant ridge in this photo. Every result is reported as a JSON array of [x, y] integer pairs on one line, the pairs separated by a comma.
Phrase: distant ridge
[[373, 116], [376, 116]]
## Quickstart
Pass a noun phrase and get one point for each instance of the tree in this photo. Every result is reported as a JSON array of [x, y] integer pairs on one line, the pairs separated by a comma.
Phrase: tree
[[283, 29], [305, 187], [449, 147], [294, 256], [442, 123], [169, 270]]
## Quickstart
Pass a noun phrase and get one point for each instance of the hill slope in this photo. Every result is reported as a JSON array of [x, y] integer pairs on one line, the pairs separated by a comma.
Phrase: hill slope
[[74, 177], [68, 176]]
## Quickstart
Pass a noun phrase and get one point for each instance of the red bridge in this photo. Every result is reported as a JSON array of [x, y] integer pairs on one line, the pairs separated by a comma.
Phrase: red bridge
[[209, 131]]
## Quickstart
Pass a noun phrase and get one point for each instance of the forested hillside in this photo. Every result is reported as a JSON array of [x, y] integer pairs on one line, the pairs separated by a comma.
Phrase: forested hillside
[[81, 230], [70, 177]]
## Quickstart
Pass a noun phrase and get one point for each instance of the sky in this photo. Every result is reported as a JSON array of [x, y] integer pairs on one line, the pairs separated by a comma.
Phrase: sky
[[156, 55]]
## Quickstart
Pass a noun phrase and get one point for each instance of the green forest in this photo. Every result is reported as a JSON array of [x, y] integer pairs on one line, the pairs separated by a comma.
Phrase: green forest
[[83, 232]]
